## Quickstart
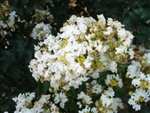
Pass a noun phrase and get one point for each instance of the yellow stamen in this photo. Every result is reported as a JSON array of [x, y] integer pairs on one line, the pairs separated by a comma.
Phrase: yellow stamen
[[81, 60], [113, 82], [141, 99], [144, 84], [64, 42]]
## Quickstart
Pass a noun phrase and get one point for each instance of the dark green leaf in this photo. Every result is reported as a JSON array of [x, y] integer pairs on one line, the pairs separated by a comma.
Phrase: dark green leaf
[[49, 1], [26, 57], [15, 73], [129, 24], [13, 2], [4, 64], [140, 38], [7, 56], [24, 2], [45, 87]]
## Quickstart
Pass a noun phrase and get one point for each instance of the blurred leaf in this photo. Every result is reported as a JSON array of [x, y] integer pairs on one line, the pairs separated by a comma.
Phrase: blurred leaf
[[140, 38], [15, 73], [45, 87], [24, 2], [26, 57], [7, 56], [4, 64], [49, 1], [42, 88], [18, 48], [13, 2]]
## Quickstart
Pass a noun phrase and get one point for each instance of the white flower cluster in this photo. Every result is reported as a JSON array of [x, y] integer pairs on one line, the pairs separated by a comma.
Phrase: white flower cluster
[[138, 71], [10, 23], [82, 47], [25, 104], [109, 101], [41, 15], [41, 31]]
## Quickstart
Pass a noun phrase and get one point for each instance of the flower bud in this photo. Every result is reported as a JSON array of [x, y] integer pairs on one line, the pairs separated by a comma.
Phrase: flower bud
[[93, 35]]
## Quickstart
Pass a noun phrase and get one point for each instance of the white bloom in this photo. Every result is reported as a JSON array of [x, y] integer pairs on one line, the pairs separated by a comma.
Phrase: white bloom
[[101, 20], [121, 49], [139, 96], [112, 66], [134, 69], [148, 58], [41, 31], [108, 31], [96, 87], [122, 34], [131, 53], [60, 98], [85, 97], [85, 110], [114, 80]]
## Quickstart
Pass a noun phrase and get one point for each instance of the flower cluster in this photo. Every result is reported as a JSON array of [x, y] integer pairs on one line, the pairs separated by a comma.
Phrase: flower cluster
[[11, 22], [89, 63], [41, 30], [84, 47], [25, 104], [139, 72], [12, 18]]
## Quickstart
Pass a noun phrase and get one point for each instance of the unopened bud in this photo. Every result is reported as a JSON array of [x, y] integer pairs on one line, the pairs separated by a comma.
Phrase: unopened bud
[[91, 30], [130, 93], [96, 29], [93, 35]]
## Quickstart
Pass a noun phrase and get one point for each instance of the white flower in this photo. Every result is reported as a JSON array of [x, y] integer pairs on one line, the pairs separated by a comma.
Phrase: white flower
[[96, 87], [108, 31], [147, 58], [85, 97], [41, 31], [114, 80], [112, 66], [60, 98], [138, 97], [122, 34], [121, 49], [101, 20], [131, 53], [85, 110], [11, 18], [134, 69]]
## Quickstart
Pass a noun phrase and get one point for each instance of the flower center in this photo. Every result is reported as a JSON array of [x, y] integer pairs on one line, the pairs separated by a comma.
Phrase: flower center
[[64, 42], [141, 99], [144, 84], [81, 60], [113, 82]]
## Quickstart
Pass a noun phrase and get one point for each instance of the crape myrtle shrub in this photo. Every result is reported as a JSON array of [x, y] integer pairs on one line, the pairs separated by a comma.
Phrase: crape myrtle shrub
[[17, 45]]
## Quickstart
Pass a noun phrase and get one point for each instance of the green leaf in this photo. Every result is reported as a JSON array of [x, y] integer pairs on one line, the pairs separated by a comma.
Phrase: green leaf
[[7, 56], [49, 1], [4, 65], [13, 2], [128, 22], [140, 38], [45, 87], [15, 72], [26, 57], [42, 88], [24, 2]]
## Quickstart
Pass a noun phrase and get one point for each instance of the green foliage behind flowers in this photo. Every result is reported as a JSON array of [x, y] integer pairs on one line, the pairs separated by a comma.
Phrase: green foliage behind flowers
[[17, 23]]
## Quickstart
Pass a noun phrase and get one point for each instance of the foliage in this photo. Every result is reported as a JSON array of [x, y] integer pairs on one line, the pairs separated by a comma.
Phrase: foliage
[[17, 45]]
